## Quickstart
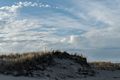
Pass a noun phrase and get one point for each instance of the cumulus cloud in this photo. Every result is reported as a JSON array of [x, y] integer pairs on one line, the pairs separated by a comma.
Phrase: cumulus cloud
[[18, 5], [72, 39], [32, 4]]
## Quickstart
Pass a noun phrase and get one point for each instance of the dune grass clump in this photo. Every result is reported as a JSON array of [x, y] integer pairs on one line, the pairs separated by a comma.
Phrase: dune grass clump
[[24, 64], [105, 66]]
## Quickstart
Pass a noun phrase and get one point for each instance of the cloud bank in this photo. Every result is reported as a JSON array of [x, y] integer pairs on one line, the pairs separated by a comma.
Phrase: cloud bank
[[84, 25]]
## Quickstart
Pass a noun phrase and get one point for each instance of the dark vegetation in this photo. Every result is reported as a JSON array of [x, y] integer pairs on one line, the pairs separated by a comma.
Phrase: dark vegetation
[[105, 66], [24, 64]]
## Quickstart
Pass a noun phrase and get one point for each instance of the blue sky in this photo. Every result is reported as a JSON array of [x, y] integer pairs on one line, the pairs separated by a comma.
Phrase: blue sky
[[89, 26]]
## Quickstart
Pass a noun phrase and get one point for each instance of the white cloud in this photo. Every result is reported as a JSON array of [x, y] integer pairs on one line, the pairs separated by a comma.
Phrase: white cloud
[[99, 13], [19, 5], [104, 38], [16, 32], [12, 8], [72, 39], [32, 4]]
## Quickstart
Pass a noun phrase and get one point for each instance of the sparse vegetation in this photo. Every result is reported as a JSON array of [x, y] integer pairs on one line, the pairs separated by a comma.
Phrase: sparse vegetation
[[105, 66], [24, 64], [37, 64]]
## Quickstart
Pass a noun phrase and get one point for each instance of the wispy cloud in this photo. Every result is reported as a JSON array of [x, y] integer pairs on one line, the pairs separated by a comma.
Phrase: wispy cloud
[[13, 31], [80, 24]]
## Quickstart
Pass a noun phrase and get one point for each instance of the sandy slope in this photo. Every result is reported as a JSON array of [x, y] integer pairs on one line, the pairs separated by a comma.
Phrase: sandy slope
[[101, 75], [105, 75], [61, 67]]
